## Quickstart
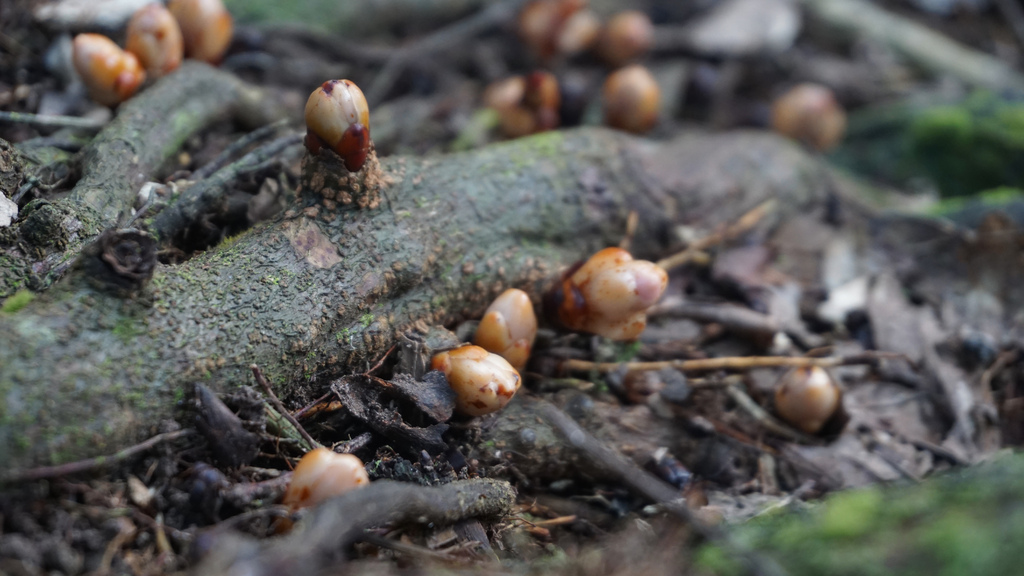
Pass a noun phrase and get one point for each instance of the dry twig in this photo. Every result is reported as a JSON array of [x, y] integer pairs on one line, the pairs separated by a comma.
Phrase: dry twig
[[323, 535], [742, 225], [69, 468], [236, 147], [280, 407], [49, 121], [727, 363], [732, 317]]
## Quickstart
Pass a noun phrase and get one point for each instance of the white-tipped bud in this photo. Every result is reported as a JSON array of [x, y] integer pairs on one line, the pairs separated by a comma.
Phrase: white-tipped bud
[[609, 295], [558, 27], [578, 33]]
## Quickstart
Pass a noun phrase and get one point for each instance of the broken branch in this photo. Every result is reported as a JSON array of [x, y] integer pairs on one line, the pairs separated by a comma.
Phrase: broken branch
[[321, 537]]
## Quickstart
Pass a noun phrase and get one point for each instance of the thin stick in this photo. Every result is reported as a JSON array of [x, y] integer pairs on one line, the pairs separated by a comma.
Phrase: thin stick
[[743, 225], [49, 121], [236, 148], [98, 462], [399, 546], [632, 221], [727, 363], [311, 405], [280, 407], [381, 361], [732, 317], [559, 521]]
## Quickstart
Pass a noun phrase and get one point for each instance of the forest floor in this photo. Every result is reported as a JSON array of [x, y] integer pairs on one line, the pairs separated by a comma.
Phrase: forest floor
[[619, 452]]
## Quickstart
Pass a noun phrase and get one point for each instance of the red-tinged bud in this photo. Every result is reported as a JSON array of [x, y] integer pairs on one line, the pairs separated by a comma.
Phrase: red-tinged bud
[[354, 146], [111, 74], [338, 117]]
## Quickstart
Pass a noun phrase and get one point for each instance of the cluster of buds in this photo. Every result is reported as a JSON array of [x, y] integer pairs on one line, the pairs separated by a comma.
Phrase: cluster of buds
[[564, 28], [607, 295], [322, 474], [553, 28], [558, 27], [810, 113], [525, 105], [483, 382], [157, 40], [509, 327]]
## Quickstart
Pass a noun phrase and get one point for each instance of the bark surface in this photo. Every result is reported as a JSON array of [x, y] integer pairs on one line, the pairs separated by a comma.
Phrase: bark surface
[[147, 132], [319, 293]]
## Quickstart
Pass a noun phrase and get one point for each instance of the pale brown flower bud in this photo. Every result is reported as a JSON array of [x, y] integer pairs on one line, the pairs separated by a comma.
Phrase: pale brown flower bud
[[509, 327], [807, 398], [631, 99], [206, 27], [322, 474], [154, 37], [483, 382]]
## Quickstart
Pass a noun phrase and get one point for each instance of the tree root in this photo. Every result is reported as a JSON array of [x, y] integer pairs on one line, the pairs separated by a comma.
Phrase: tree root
[[320, 539], [147, 131], [321, 292]]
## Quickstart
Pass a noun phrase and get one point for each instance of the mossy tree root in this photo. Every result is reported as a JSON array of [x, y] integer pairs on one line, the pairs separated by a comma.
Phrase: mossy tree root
[[318, 293], [146, 133]]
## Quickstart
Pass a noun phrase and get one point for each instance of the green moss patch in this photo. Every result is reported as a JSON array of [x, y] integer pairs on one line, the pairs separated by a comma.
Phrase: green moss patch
[[17, 301]]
